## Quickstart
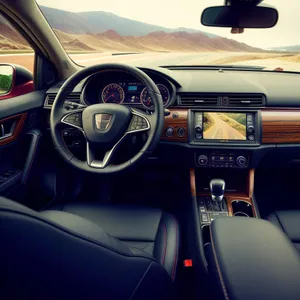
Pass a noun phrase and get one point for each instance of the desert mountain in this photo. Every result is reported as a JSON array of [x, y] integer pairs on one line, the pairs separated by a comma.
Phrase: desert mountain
[[111, 41], [100, 21], [106, 32]]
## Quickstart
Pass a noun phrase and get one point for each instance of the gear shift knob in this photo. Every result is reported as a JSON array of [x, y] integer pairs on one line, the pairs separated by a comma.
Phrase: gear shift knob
[[217, 190]]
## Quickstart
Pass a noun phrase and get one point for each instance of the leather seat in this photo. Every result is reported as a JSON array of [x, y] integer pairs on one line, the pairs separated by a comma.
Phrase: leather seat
[[87, 251], [289, 222]]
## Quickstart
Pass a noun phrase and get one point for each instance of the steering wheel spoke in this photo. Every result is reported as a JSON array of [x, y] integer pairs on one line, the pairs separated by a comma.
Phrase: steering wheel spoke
[[73, 119], [108, 156]]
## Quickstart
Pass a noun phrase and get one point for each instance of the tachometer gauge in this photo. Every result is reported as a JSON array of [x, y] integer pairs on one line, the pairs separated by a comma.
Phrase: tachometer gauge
[[113, 93], [147, 101]]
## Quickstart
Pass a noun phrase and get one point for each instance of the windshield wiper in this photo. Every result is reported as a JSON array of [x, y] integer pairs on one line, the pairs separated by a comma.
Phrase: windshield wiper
[[215, 67]]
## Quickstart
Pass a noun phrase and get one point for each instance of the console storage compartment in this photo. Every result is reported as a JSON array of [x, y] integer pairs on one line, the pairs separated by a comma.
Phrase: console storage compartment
[[251, 258]]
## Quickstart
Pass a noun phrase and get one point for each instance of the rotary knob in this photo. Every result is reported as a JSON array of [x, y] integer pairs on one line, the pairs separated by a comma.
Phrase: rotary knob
[[203, 160], [198, 128], [241, 161]]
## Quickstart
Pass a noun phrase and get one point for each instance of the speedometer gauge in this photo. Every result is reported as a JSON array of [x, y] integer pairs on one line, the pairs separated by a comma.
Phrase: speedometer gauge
[[113, 93], [147, 101]]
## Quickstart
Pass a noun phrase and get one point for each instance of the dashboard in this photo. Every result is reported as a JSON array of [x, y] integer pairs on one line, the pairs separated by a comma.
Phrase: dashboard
[[216, 119], [121, 88]]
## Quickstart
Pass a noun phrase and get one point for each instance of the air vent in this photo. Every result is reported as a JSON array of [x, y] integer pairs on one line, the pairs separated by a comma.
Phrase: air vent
[[246, 100], [51, 97], [199, 100]]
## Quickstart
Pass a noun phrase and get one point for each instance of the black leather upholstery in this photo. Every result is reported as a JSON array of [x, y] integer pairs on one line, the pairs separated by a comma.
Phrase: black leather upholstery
[[289, 222], [58, 255], [251, 259], [140, 228]]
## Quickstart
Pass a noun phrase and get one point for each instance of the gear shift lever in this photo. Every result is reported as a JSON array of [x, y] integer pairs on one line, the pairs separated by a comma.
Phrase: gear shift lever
[[217, 190]]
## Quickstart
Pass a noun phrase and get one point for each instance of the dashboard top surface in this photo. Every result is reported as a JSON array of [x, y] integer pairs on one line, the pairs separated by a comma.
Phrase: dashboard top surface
[[281, 89]]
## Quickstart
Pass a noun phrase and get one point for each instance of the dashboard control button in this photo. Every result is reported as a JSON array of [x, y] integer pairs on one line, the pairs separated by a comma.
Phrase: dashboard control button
[[199, 136], [203, 160], [198, 128], [241, 161], [170, 132], [180, 132], [175, 115], [202, 209], [251, 129], [251, 137], [204, 217]]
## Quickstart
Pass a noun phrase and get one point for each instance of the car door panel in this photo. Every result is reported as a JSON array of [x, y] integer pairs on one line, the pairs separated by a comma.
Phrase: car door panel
[[20, 137], [11, 127], [21, 104]]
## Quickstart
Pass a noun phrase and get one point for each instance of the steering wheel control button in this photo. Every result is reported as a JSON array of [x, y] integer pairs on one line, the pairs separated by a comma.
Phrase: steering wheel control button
[[138, 123], [170, 132], [74, 119], [180, 132], [203, 160]]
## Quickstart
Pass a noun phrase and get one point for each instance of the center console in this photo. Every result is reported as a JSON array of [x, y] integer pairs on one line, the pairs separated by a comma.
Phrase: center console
[[213, 131], [222, 193]]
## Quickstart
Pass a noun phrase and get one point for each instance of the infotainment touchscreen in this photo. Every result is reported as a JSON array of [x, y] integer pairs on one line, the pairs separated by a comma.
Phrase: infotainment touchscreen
[[224, 126]]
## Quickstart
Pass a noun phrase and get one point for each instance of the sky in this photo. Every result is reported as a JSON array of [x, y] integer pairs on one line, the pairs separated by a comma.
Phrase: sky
[[186, 13]]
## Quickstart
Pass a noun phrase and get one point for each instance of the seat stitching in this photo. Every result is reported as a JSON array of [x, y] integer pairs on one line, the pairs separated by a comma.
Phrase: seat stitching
[[165, 243], [140, 281], [176, 250], [219, 269]]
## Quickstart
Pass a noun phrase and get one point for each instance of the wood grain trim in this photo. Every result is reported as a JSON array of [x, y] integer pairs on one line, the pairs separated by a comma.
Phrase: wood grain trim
[[193, 182], [19, 126], [280, 127], [181, 121], [235, 198], [250, 183]]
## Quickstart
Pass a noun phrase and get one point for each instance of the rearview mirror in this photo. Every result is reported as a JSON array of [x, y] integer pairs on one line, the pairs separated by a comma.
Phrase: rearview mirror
[[6, 78], [240, 16]]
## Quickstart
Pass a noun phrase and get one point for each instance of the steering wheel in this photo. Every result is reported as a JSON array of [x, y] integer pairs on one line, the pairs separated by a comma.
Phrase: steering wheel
[[105, 126]]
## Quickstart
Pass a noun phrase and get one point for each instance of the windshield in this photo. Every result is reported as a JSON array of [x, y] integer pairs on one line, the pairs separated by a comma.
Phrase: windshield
[[169, 33]]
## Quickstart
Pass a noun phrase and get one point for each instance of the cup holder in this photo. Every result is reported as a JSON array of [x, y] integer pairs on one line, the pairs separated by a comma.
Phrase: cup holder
[[242, 208], [241, 214]]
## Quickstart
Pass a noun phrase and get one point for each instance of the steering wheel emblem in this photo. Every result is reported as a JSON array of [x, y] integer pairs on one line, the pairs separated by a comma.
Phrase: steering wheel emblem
[[102, 121]]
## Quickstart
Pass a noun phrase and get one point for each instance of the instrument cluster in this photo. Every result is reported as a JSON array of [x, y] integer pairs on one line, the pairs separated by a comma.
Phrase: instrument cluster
[[125, 90]]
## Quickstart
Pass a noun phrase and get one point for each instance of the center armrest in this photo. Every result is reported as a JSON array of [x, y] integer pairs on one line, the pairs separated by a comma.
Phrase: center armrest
[[253, 259]]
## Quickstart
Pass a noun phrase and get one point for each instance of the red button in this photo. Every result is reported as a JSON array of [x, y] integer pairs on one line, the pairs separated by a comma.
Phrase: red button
[[188, 263]]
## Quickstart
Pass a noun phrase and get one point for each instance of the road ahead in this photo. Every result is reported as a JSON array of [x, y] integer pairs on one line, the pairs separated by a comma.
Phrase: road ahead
[[155, 59], [221, 130], [140, 60]]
